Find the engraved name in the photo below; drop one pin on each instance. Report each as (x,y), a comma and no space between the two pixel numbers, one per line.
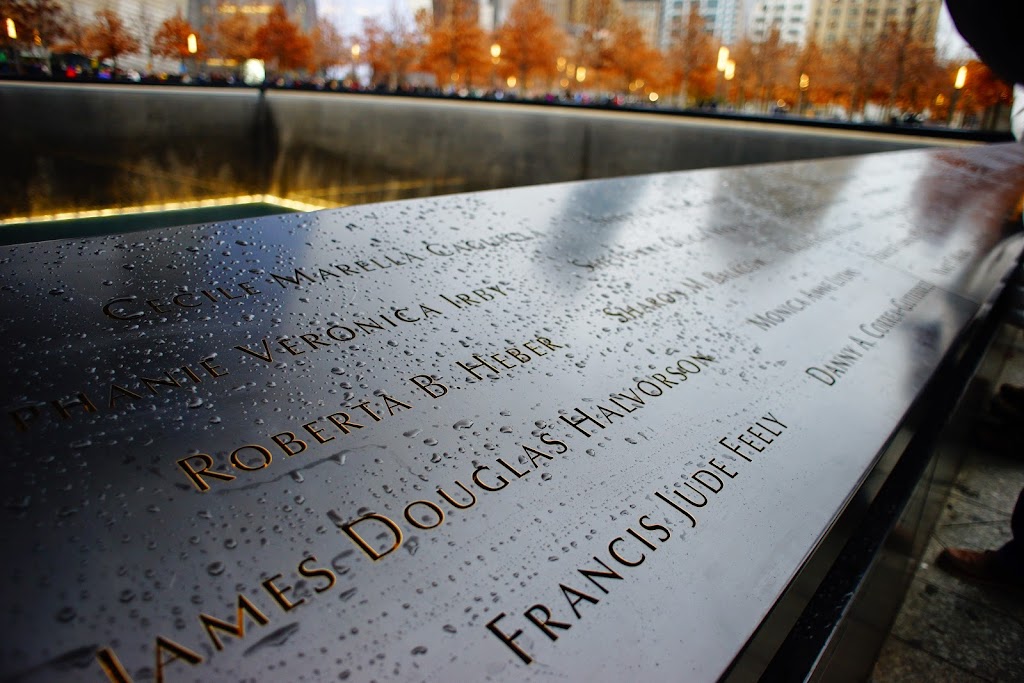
(686,504)
(258,454)
(841,362)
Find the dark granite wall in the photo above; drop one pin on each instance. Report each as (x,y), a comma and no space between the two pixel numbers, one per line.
(72,147)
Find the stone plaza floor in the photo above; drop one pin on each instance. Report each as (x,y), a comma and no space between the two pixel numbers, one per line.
(949,629)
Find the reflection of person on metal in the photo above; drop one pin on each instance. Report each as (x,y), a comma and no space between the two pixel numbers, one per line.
(993,30)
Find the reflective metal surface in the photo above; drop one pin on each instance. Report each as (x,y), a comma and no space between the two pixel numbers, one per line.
(585,431)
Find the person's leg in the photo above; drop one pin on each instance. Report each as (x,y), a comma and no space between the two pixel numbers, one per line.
(1003,567)
(1011,555)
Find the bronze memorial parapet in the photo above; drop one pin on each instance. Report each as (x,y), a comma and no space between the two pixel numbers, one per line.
(586,431)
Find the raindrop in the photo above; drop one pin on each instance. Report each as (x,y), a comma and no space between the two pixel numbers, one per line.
(338,562)
(275,639)
(79,658)
(335,517)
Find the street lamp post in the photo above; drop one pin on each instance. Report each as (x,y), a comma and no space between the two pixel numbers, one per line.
(355,61)
(728,73)
(958,85)
(12,33)
(805,83)
(723,62)
(495,58)
(192,45)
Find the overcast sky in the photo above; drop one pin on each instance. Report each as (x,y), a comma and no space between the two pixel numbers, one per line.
(348,14)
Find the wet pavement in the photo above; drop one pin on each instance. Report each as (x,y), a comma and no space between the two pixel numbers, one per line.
(949,629)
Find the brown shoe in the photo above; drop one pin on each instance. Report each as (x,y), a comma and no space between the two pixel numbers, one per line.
(977,565)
